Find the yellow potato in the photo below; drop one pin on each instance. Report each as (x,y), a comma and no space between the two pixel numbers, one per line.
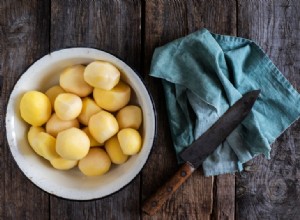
(72,144)
(63,164)
(45,144)
(53,92)
(55,125)
(93,142)
(96,163)
(89,108)
(103,125)
(67,106)
(130,117)
(71,80)
(31,135)
(114,151)
(101,74)
(130,141)
(35,108)
(114,99)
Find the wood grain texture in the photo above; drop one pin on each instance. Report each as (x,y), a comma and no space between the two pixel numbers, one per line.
(224,197)
(270,189)
(113,26)
(132,29)
(155,201)
(217,16)
(24,38)
(164,22)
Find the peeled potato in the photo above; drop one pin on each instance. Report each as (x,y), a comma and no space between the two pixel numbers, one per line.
(95,163)
(35,108)
(101,74)
(71,80)
(45,144)
(93,142)
(103,125)
(55,125)
(53,92)
(63,164)
(114,151)
(114,99)
(89,108)
(72,144)
(130,141)
(130,117)
(67,106)
(63,140)
(31,135)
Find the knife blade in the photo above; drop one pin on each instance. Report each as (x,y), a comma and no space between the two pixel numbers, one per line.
(200,149)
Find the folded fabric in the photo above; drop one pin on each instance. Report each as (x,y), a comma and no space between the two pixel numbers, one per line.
(203,74)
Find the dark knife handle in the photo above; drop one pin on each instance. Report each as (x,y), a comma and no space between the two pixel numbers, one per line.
(154,203)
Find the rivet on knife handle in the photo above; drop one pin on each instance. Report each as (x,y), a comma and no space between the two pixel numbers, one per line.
(154,203)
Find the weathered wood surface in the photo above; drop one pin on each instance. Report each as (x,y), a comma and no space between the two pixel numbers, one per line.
(271,189)
(132,29)
(24,34)
(164,22)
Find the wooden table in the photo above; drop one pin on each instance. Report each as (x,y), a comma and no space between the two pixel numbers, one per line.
(131,29)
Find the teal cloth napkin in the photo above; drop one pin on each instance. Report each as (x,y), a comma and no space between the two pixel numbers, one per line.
(203,74)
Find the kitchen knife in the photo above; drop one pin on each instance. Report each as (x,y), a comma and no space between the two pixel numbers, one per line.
(200,149)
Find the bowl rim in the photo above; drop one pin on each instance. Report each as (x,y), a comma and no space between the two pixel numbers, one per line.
(45,56)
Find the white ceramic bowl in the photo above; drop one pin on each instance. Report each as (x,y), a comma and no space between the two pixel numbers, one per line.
(72,184)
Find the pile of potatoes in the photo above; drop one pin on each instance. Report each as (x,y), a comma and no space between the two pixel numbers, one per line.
(85,121)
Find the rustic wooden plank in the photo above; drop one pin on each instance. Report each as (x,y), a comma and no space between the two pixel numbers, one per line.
(224,197)
(113,26)
(165,21)
(154,202)
(270,189)
(218,17)
(24,38)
